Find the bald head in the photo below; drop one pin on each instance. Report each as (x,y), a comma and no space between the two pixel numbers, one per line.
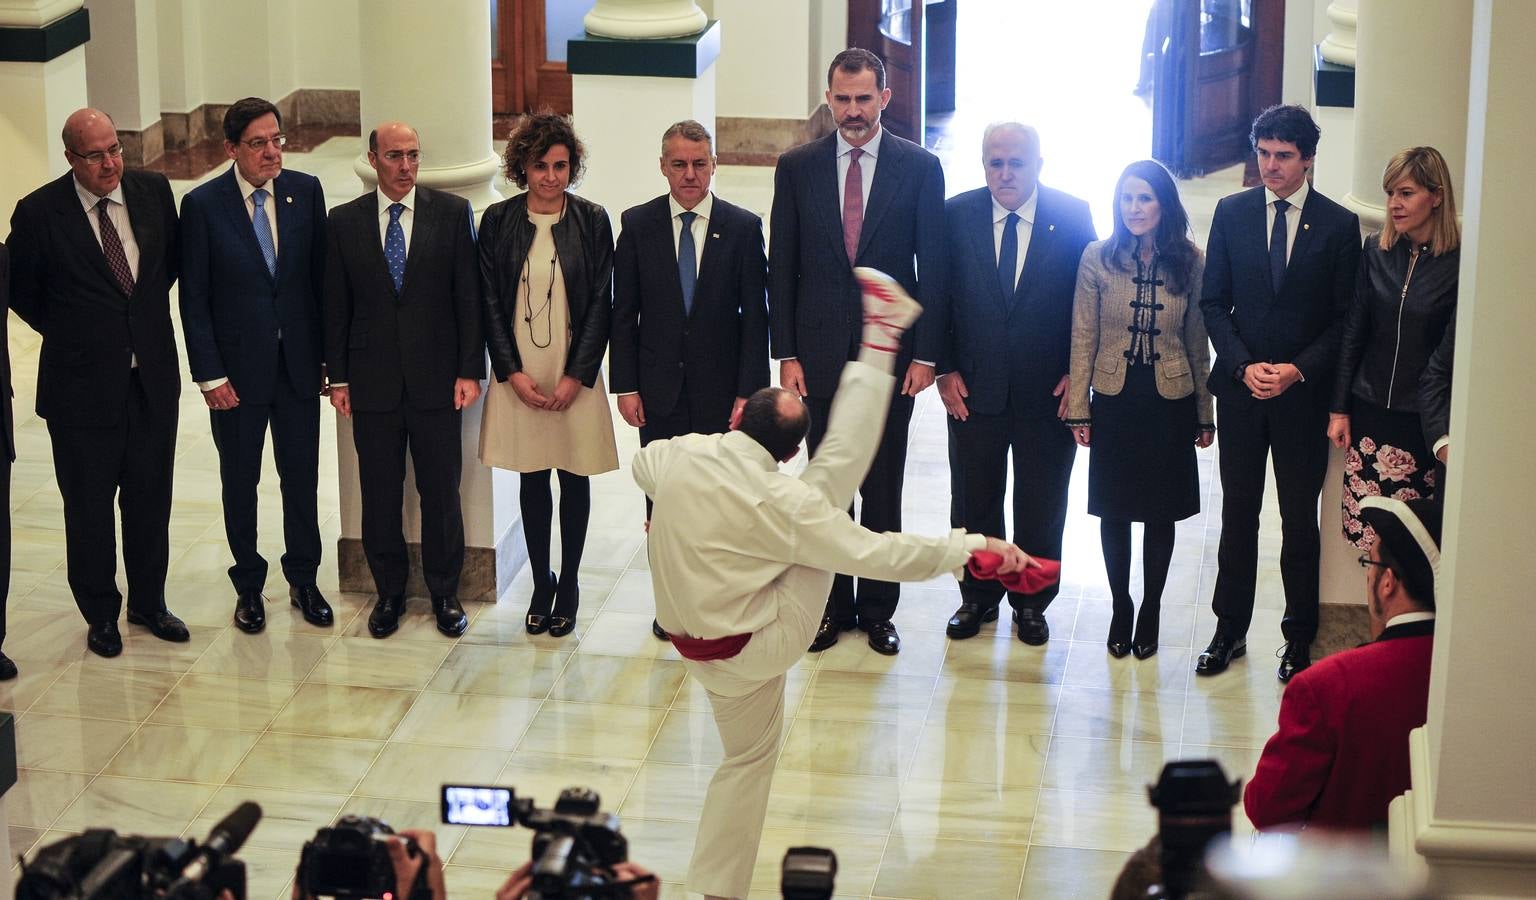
(778,420)
(92,150)
(394,151)
(86,123)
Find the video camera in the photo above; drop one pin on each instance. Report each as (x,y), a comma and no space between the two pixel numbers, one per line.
(104,865)
(350,860)
(575,846)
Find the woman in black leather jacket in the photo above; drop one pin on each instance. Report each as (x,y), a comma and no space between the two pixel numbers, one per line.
(1405,297)
(546,271)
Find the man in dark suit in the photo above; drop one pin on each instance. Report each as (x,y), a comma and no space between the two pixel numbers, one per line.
(1341,752)
(857,197)
(8,429)
(690,322)
(93,257)
(254,258)
(1014,247)
(405,353)
(1279,275)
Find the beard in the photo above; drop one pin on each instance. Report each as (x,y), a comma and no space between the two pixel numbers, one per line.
(855,130)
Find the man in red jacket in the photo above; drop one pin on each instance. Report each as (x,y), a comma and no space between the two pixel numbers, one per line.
(1341,753)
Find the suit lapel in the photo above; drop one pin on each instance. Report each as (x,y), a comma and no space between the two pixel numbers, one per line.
(77,227)
(823,193)
(983,245)
(286,212)
(1303,234)
(1041,235)
(368,209)
(717,237)
(423,225)
(234,207)
(658,235)
(890,168)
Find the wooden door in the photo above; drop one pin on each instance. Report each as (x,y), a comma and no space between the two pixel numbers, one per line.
(523,77)
(893,30)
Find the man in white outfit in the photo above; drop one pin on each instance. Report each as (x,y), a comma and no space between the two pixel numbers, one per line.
(742,557)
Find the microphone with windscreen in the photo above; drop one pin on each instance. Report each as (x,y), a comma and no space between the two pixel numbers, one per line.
(223,842)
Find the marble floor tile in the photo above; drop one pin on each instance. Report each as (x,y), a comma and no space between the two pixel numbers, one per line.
(543,776)
(624,634)
(688,737)
(857,803)
(305,763)
(1070,874)
(380,664)
(467,720)
(922,654)
(181,753)
(1230,721)
(923,866)
(288,818)
(417,625)
(490,849)
(668,845)
(985,757)
(1112,766)
(841,747)
(1093,821)
(21,839)
(38,797)
(858,857)
(624,680)
(967,811)
(1090,665)
(98,693)
(519,671)
(32,681)
(270,654)
(866,697)
(344,710)
(134,806)
(62,744)
(1112,715)
(418,771)
(796,681)
(1176,624)
(664,791)
(268,872)
(632,593)
(596,730)
(1002,658)
(973,704)
(224,701)
(474,881)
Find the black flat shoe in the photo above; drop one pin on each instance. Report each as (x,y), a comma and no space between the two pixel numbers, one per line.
(1294,657)
(560,626)
(451,619)
(562,620)
(1142,651)
(537,621)
(1033,629)
(7,667)
(163,625)
(1219,654)
(103,639)
(826,634)
(1118,649)
(385,618)
(659,632)
(883,638)
(250,612)
(968,619)
(308,600)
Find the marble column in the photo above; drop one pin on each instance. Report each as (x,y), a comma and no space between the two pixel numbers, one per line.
(1471,813)
(435,74)
(1339,46)
(644,19)
(42,81)
(1411,90)
(122,77)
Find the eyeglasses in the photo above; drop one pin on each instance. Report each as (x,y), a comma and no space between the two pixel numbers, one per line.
(1366,562)
(97,158)
(260,144)
(395,156)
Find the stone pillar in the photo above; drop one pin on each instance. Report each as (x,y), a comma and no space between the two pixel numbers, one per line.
(624,94)
(1471,814)
(1410,81)
(122,74)
(1339,46)
(42,81)
(644,19)
(449,104)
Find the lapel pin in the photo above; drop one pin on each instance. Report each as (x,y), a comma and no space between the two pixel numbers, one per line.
(1050,228)
(1306,226)
(288,199)
(714,234)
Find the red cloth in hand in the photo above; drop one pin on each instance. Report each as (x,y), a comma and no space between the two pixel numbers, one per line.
(1028,580)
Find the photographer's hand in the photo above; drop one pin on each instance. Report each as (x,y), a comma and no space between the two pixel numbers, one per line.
(648,890)
(517,884)
(408,866)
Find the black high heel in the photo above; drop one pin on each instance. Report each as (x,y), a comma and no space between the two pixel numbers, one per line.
(538,620)
(1145,643)
(1119,643)
(567,599)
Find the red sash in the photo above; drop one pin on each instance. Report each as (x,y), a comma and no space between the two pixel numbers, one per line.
(707,649)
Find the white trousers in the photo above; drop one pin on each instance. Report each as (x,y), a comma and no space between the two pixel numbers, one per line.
(746,691)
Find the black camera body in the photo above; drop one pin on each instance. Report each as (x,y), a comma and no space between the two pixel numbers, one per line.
(1194,804)
(575,846)
(101,864)
(808,873)
(351,860)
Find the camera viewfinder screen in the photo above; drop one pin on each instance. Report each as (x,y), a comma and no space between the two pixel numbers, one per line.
(476,805)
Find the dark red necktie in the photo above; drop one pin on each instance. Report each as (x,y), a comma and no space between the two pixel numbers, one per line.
(112,246)
(853,204)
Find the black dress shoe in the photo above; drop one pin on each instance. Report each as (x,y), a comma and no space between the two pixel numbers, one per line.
(385,617)
(968,619)
(543,598)
(250,612)
(1219,654)
(661,633)
(1118,649)
(1294,657)
(312,604)
(883,638)
(826,634)
(163,625)
(562,620)
(104,640)
(1142,651)
(451,619)
(1032,627)
(7,667)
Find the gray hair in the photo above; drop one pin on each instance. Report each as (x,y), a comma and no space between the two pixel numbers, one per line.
(1027,130)
(688,130)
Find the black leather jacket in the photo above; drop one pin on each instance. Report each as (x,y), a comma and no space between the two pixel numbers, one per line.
(584,242)
(1400,311)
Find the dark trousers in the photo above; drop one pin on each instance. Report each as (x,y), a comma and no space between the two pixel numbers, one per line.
(1292,429)
(240,434)
(879,511)
(131,461)
(434,441)
(687,416)
(5,536)
(1043,453)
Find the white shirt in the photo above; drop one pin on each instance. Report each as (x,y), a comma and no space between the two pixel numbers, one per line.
(1024,228)
(1292,215)
(117,212)
(269,206)
(1405,618)
(700,227)
(728,524)
(407,216)
(866,166)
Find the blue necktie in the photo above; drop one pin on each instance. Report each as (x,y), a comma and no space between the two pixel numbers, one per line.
(264,230)
(1008,256)
(687,260)
(394,246)
(1277,247)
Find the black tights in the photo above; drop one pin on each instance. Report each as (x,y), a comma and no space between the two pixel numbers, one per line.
(538,508)
(1156,554)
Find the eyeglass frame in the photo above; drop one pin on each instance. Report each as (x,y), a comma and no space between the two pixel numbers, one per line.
(257,145)
(398,156)
(97,158)
(1366,562)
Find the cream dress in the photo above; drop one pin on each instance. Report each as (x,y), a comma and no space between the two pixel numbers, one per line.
(513,436)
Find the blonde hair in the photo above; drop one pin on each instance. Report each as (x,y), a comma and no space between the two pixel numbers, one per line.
(1425,167)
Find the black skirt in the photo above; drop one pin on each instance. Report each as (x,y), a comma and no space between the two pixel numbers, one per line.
(1141,464)
(1387,457)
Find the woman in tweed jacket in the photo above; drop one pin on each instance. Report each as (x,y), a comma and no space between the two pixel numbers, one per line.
(1139,341)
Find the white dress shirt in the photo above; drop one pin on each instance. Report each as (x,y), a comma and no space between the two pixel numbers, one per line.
(1024,228)
(407,216)
(866,166)
(117,212)
(1405,618)
(269,207)
(1292,215)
